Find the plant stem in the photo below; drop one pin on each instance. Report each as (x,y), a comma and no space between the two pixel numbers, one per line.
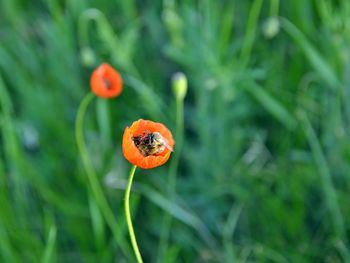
(95,186)
(167,220)
(250,32)
(330,194)
(128,216)
(179,137)
(274,6)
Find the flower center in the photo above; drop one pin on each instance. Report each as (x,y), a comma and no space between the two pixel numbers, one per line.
(149,143)
(107,83)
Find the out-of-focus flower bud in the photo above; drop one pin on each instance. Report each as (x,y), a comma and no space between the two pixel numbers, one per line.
(87,57)
(30,138)
(179,85)
(174,25)
(271,27)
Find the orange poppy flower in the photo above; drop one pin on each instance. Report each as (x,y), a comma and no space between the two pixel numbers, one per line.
(147,144)
(106,82)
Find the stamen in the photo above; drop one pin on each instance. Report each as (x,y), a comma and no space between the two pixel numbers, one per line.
(107,83)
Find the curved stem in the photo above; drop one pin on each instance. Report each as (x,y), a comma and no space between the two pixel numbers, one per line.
(95,186)
(128,216)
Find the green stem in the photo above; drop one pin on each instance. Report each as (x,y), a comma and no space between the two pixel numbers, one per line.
(179,141)
(330,193)
(128,216)
(274,6)
(167,220)
(95,186)
(250,32)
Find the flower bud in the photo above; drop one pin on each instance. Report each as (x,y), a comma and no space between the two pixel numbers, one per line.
(87,57)
(271,27)
(179,85)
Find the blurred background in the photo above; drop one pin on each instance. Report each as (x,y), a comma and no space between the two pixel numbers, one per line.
(263,173)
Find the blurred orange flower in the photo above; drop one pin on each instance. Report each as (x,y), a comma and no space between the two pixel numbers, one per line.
(106,82)
(147,144)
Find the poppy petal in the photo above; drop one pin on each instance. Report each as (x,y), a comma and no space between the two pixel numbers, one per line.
(133,154)
(106,82)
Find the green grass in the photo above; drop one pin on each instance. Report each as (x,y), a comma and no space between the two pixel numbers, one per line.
(264,168)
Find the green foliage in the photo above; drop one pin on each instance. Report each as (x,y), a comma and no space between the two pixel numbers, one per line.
(264,172)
